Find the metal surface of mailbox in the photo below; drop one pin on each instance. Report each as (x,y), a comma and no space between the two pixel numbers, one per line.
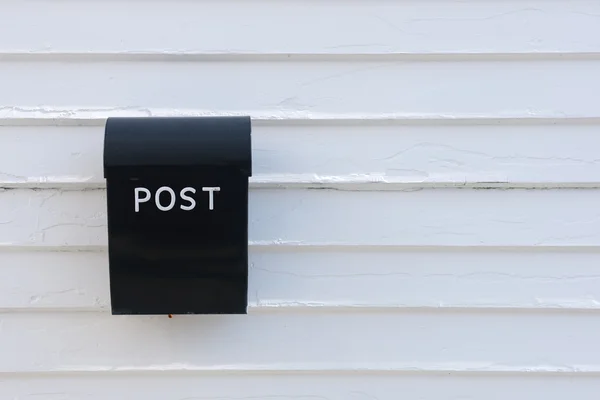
(177,202)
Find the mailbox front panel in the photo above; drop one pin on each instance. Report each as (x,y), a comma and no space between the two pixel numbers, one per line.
(177,245)
(178,234)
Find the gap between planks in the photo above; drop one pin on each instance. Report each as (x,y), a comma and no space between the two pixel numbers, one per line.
(338,183)
(261,308)
(476,369)
(295,247)
(75,116)
(194,56)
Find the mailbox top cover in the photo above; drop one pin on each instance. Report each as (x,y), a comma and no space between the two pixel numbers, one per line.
(178,142)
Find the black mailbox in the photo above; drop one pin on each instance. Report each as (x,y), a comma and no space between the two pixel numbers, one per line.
(177,202)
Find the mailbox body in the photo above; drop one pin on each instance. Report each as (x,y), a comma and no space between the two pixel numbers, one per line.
(177,203)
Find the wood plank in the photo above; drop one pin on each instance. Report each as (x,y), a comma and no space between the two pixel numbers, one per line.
(444,217)
(329,279)
(567,88)
(317,386)
(320,27)
(403,342)
(284,154)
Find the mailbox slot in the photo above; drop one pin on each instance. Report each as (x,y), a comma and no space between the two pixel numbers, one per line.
(177,203)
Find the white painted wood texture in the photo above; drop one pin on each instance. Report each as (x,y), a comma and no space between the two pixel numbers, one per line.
(318,386)
(296,154)
(475,341)
(329,279)
(429,217)
(309,27)
(406,274)
(514,88)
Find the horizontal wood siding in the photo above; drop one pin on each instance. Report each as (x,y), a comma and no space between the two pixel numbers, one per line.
(337,155)
(333,386)
(333,278)
(424,89)
(429,217)
(299,342)
(294,26)
(423,210)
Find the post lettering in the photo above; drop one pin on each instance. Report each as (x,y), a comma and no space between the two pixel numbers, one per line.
(143,195)
(157,200)
(210,191)
(138,199)
(187,198)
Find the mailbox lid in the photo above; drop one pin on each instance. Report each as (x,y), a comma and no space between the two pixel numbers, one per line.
(222,142)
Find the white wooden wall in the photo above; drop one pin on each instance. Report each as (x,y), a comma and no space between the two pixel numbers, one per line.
(452,253)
